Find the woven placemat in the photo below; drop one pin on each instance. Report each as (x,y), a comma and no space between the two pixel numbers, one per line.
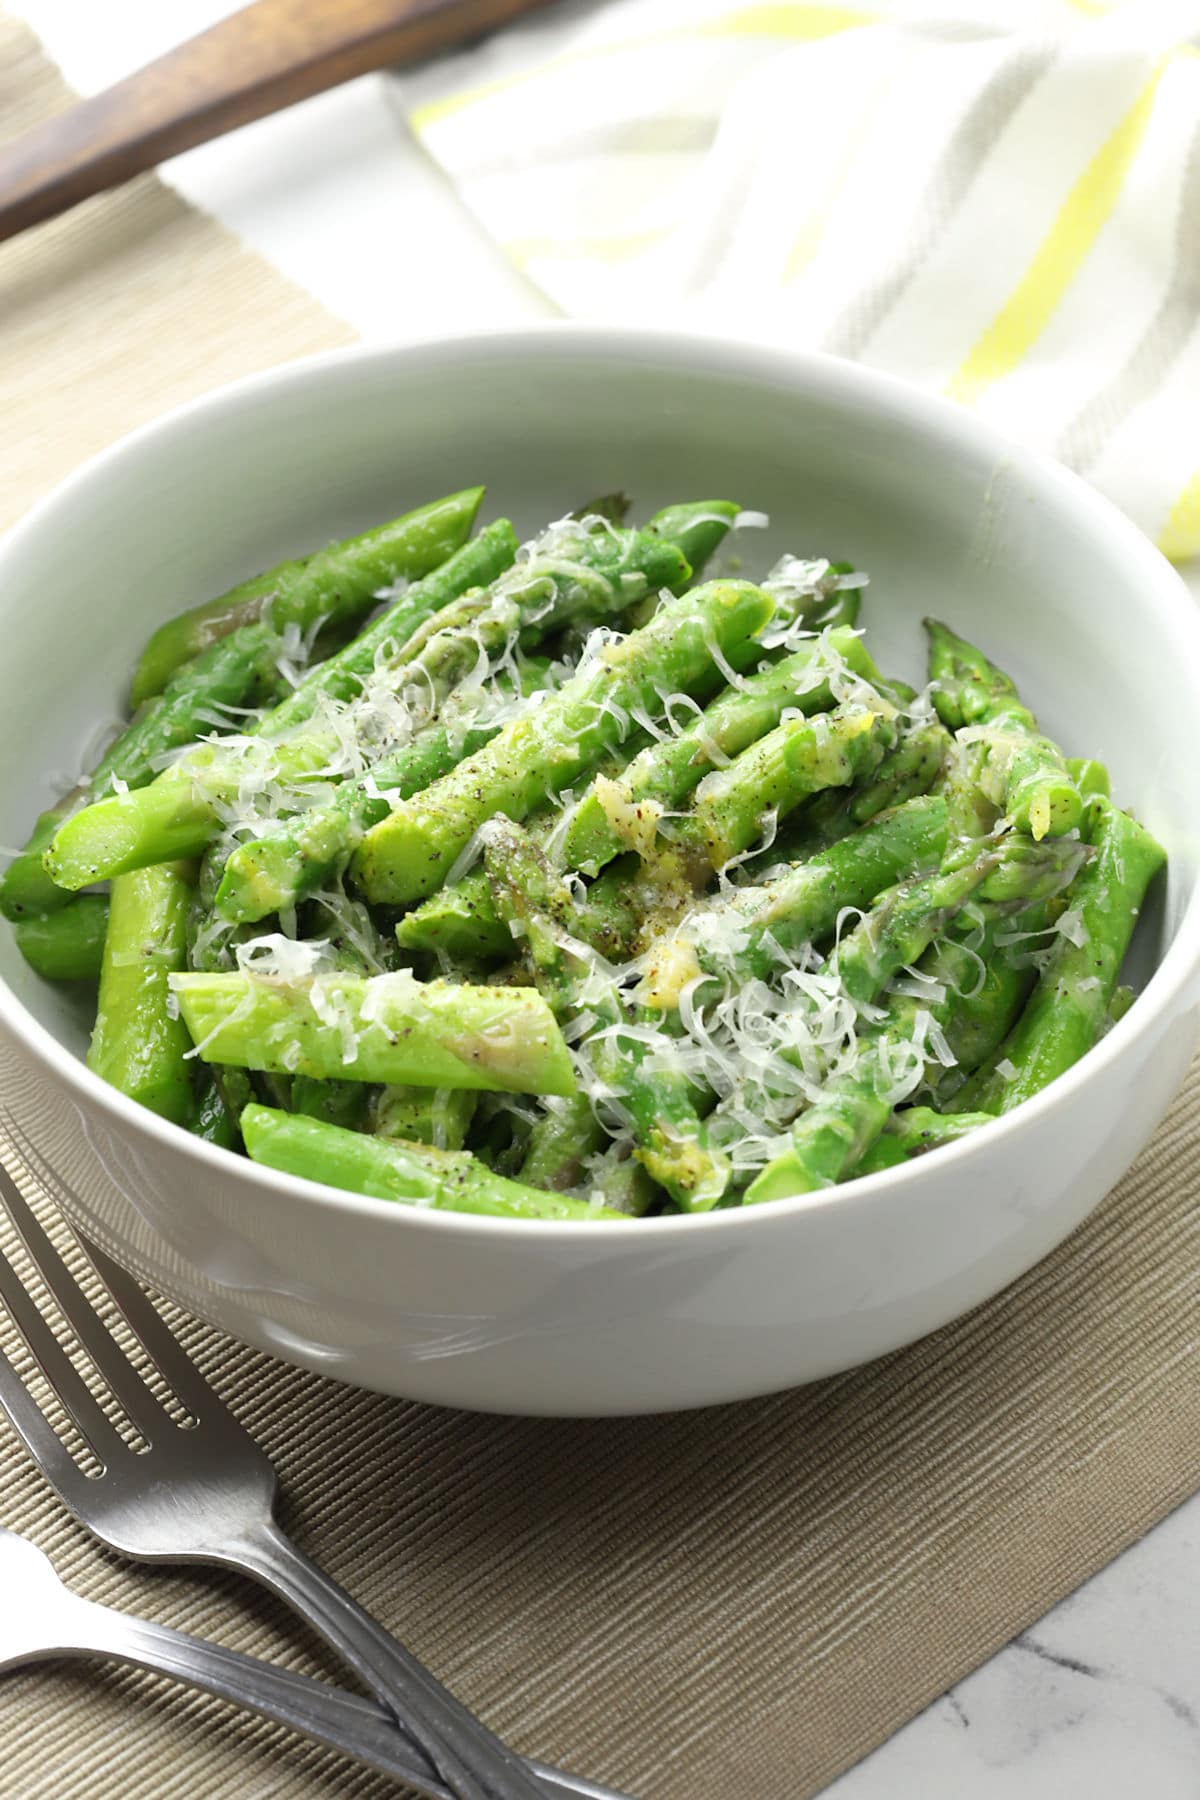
(739,1602)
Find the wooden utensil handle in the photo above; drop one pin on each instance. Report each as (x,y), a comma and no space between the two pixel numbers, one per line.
(262,59)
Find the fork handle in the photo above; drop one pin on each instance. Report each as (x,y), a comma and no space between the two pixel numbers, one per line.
(327,1715)
(469,1759)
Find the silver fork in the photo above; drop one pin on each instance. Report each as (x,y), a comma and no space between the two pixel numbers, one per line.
(207,1494)
(43,1618)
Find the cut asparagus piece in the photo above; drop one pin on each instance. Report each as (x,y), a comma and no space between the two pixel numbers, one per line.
(1068,1009)
(1010,873)
(799,758)
(137,1045)
(697,527)
(440,1117)
(540,754)
(67,945)
(476,565)
(902,774)
(561,1141)
(743,935)
(913,1131)
(386,1170)
(835,1133)
(338,582)
(672,1142)
(386,1028)
(668,770)
(1020,770)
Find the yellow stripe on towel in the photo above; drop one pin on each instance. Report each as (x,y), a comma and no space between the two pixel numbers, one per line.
(1081,218)
(791,19)
(1180,536)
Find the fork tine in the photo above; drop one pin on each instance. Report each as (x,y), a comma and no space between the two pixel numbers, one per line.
(139,1401)
(31,1424)
(55,1364)
(155,1337)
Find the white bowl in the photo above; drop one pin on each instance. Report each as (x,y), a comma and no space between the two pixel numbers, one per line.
(575,1318)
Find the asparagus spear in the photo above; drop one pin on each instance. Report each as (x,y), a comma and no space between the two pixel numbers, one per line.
(743,935)
(1009,874)
(301,852)
(903,773)
(1089,776)
(340,581)
(1123,998)
(440,1117)
(911,1132)
(336,1102)
(386,1028)
(462,923)
(478,563)
(1068,1009)
(672,1142)
(212,1119)
(836,1132)
(67,945)
(798,758)
(833,1135)
(541,753)
(176,816)
(137,1046)
(668,770)
(386,1170)
(1022,771)
(697,527)
(562,1139)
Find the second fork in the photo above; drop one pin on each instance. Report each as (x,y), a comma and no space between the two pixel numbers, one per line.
(207,1494)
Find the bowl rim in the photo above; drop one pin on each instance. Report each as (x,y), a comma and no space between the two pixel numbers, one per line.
(836,379)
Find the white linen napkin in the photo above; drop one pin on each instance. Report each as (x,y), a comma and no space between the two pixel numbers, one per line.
(998,199)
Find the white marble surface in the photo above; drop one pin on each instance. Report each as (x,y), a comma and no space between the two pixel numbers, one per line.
(1102,1698)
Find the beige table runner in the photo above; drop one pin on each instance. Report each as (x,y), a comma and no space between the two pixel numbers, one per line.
(730,1605)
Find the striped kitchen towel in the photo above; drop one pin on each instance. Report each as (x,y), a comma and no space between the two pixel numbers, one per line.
(998,199)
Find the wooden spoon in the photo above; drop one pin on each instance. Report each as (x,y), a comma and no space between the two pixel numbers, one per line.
(262,59)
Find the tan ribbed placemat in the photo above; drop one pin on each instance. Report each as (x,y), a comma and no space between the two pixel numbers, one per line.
(737,1603)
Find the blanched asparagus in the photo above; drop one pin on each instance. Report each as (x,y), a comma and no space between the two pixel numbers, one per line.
(461,922)
(1022,771)
(440,1117)
(541,753)
(137,1046)
(339,581)
(177,815)
(697,527)
(1068,1009)
(560,1143)
(669,769)
(476,565)
(911,1132)
(742,936)
(798,758)
(386,1028)
(1007,875)
(387,1170)
(67,945)
(672,1142)
(903,773)
(212,1119)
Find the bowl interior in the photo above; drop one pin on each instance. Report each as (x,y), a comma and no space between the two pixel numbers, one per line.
(1053,585)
